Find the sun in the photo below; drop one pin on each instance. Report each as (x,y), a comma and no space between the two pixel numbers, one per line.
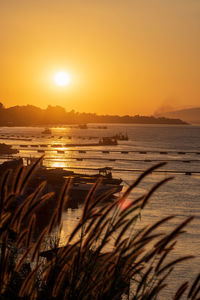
(62,78)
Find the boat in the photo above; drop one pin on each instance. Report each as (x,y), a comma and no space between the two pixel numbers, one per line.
(81,183)
(102,127)
(79,190)
(55,179)
(57,145)
(41,151)
(107,141)
(46,131)
(83,126)
(121,137)
(104,173)
(7,149)
(10,165)
(60,151)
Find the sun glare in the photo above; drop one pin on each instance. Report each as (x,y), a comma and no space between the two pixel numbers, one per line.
(62,78)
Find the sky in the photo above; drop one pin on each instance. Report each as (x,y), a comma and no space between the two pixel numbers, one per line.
(122,56)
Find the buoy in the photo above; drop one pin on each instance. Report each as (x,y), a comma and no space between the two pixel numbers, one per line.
(188,173)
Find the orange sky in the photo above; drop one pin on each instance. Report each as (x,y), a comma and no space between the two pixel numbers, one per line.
(124,56)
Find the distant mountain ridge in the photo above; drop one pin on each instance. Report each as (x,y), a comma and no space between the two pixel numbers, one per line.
(190,115)
(30,115)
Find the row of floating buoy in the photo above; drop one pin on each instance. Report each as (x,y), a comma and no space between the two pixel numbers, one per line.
(120,170)
(103,151)
(126,170)
(136,170)
(13,135)
(118,159)
(34,146)
(49,137)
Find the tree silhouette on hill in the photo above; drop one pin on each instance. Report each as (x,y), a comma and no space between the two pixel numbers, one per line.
(30,115)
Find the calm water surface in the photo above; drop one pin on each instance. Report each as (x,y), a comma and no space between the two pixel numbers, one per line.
(180,197)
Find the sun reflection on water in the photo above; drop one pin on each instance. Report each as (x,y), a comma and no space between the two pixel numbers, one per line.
(58,164)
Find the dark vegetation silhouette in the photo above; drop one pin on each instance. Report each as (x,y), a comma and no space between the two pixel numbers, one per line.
(138,265)
(30,115)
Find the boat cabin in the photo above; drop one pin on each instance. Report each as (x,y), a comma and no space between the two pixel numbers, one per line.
(105,172)
(107,141)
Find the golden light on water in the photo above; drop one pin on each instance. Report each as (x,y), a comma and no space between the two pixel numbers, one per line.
(59,164)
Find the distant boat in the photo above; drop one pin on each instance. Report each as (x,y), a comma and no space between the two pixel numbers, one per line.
(60,151)
(40,151)
(46,131)
(102,127)
(121,137)
(104,141)
(83,126)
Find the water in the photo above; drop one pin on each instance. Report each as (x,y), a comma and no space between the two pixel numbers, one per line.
(180,197)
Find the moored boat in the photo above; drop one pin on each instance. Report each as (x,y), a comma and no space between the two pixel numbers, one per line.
(107,141)
(55,179)
(79,190)
(121,137)
(81,183)
(7,149)
(83,126)
(46,131)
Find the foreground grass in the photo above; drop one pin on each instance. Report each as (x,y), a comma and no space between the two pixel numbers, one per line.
(138,265)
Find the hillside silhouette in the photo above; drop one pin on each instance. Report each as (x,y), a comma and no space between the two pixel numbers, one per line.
(191,115)
(30,115)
